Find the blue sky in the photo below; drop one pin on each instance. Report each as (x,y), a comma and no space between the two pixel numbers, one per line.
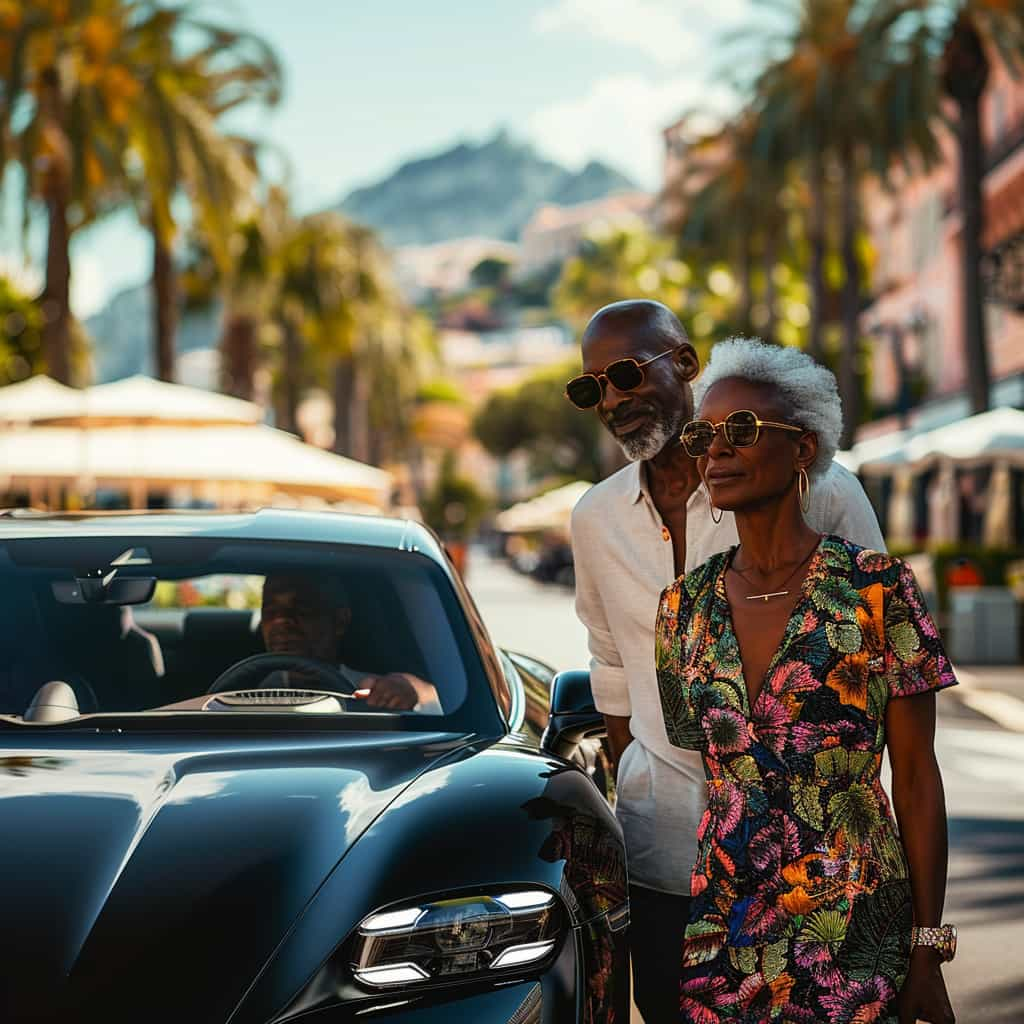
(371,84)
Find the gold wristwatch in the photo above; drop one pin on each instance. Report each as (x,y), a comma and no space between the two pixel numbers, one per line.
(942,940)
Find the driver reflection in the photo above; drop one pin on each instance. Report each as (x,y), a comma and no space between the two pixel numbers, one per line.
(308,617)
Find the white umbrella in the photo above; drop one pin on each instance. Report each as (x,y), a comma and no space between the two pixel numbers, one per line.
(977,440)
(237,464)
(876,454)
(548,511)
(145,400)
(38,398)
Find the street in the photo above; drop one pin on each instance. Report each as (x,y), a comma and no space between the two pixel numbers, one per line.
(980,746)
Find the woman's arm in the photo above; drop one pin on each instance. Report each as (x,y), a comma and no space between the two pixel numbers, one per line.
(920,806)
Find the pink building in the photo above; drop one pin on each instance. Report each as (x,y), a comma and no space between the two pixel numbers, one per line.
(916,233)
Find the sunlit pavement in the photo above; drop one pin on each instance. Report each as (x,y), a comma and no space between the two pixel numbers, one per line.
(981,749)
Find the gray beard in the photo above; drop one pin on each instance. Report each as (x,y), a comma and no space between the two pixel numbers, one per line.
(642,445)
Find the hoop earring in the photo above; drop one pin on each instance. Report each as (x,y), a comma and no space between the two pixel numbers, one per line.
(803,486)
(711,508)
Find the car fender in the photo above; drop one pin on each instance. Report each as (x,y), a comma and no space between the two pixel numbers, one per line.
(491,815)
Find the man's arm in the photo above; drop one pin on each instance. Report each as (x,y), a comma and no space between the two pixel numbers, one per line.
(607,675)
(840,506)
(619,736)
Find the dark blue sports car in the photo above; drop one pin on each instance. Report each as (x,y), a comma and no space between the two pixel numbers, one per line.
(269,767)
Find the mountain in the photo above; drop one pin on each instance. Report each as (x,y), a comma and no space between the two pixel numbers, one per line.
(488,190)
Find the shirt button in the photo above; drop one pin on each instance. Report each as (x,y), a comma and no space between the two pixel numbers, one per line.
(665,535)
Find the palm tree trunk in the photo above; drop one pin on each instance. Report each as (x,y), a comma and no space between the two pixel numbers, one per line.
(238,355)
(771,254)
(56,297)
(55,187)
(849,362)
(746,284)
(343,391)
(816,233)
(291,374)
(359,414)
(965,70)
(165,307)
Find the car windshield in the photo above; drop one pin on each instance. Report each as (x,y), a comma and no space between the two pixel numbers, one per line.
(199,625)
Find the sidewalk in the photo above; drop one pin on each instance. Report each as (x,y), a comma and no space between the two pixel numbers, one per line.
(996,691)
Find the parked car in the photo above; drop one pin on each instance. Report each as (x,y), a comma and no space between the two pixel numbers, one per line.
(269,767)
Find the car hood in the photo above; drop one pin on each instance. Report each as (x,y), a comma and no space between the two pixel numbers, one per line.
(163,878)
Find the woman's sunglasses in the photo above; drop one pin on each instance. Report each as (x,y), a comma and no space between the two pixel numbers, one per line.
(587,390)
(742,429)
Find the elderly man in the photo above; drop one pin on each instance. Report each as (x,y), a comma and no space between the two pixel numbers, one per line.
(308,616)
(633,534)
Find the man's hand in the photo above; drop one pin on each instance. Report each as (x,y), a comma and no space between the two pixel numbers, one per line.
(395,691)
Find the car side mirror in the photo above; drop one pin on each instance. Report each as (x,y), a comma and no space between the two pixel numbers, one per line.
(573,716)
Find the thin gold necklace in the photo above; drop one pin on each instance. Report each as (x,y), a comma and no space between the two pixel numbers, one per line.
(776,593)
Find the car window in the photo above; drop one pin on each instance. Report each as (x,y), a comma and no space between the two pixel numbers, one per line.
(272,626)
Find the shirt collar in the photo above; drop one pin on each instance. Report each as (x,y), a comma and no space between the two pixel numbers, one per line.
(634,479)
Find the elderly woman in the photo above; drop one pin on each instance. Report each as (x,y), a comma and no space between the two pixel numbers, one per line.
(791,661)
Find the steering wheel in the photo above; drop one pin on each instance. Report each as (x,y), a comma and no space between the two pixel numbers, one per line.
(238,676)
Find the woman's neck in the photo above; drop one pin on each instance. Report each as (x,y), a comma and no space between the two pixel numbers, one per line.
(772,535)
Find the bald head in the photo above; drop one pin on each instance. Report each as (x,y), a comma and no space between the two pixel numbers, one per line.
(645,418)
(649,324)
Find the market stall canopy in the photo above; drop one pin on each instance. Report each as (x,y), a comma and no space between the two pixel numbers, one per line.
(549,511)
(251,462)
(38,398)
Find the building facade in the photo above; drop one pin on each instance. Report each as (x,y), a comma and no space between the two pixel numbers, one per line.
(916,315)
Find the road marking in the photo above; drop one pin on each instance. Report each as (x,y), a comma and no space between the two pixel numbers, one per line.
(1003,708)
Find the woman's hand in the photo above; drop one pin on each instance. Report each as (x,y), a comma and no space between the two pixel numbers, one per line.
(924,996)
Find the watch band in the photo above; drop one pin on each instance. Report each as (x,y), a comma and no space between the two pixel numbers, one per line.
(942,939)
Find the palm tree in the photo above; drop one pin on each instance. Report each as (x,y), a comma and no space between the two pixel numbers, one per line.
(847,99)
(116,110)
(977,26)
(731,202)
(174,140)
(58,68)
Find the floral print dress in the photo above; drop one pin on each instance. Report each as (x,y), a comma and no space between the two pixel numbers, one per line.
(802,907)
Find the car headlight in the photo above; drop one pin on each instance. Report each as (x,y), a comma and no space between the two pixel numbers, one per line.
(456,939)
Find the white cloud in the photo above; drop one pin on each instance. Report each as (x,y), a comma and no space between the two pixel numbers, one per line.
(620,121)
(652,26)
(671,32)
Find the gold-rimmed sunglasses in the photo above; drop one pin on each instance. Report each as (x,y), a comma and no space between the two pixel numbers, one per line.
(741,429)
(587,390)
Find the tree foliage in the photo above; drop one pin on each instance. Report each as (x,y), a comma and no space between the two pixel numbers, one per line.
(21,335)
(536,417)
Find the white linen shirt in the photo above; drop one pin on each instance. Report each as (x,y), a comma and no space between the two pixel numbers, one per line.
(624,559)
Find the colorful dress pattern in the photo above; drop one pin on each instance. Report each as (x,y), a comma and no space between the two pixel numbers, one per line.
(802,910)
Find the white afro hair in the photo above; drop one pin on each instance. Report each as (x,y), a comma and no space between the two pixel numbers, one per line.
(807,390)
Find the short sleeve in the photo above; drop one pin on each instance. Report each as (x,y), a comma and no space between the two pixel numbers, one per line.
(915,660)
(673,617)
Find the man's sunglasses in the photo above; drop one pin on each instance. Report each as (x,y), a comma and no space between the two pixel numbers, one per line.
(741,428)
(587,390)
